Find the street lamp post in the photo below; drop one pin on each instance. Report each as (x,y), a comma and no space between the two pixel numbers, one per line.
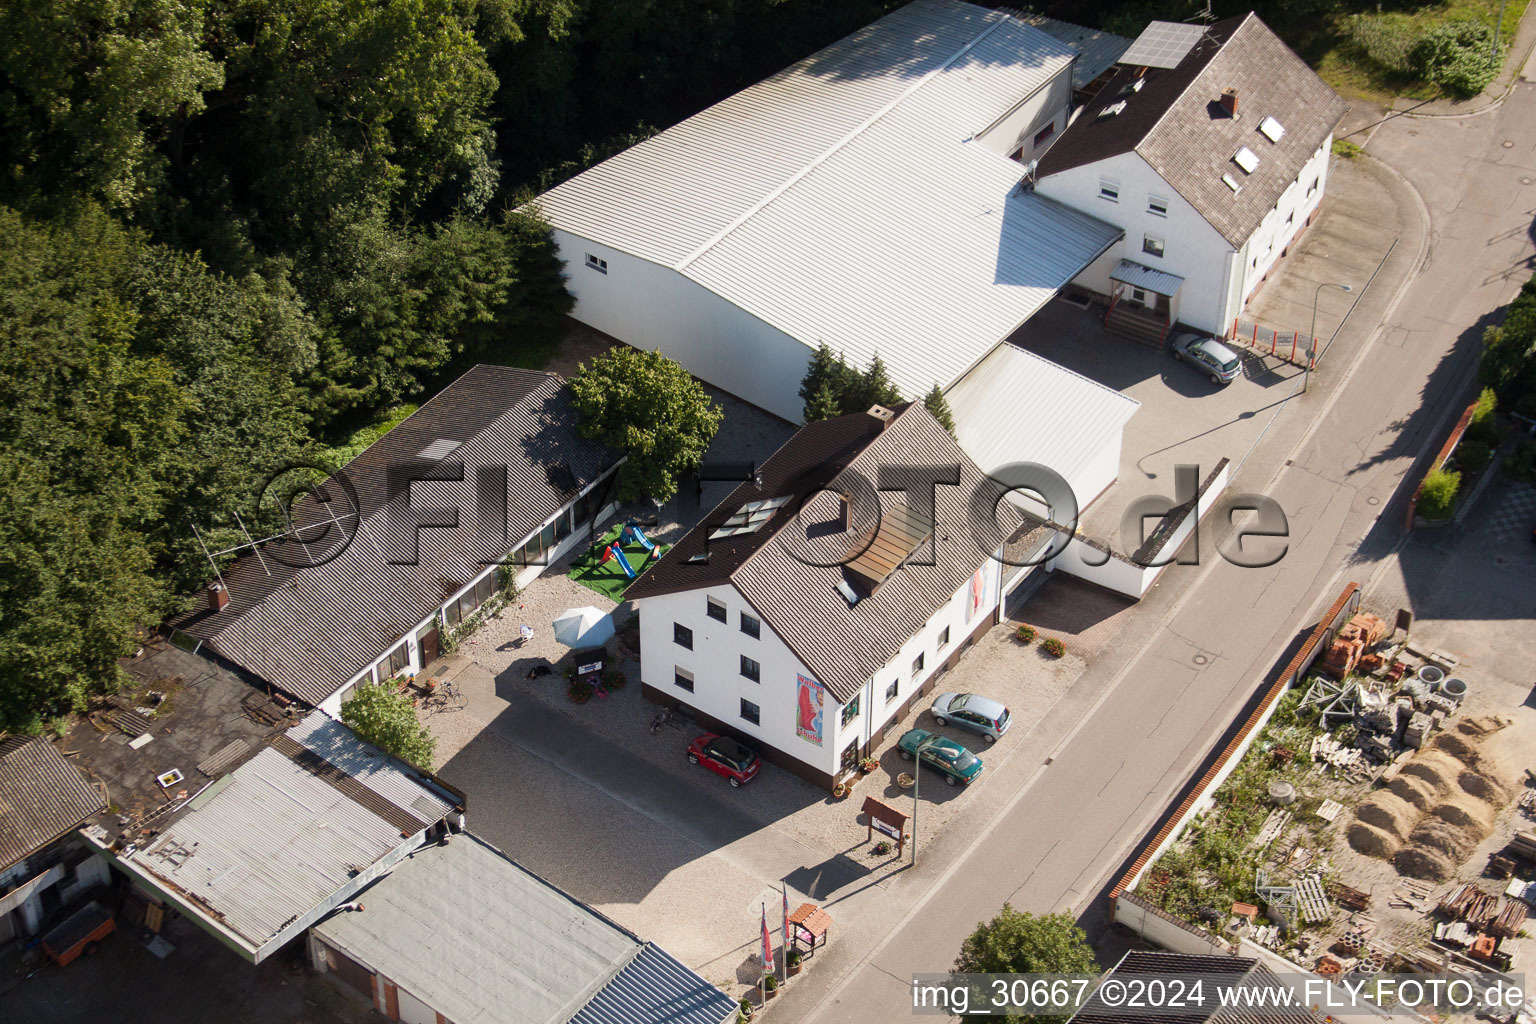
(917,786)
(1312,334)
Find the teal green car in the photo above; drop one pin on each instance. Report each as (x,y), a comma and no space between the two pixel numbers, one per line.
(959,766)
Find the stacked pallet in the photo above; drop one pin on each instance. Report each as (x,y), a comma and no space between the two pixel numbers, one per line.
(1470,904)
(1510,920)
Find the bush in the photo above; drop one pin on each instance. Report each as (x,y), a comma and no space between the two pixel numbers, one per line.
(1437,497)
(1458,56)
(1522,462)
(381,714)
(580,691)
(1026,634)
(1054,647)
(1472,456)
(1483,426)
(1387,39)
(1346,149)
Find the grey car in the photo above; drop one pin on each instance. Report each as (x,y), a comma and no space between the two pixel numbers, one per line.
(1207,355)
(974,712)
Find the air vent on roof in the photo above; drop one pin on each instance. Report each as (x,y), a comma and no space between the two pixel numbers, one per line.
(1273,130)
(1112,109)
(440,449)
(1247,159)
(1231,183)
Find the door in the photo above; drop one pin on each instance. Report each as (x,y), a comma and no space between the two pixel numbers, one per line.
(350,971)
(429,646)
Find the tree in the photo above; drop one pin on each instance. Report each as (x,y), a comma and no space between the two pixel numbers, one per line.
(874,387)
(649,408)
(1458,55)
(385,717)
(1022,943)
(823,376)
(937,404)
(822,405)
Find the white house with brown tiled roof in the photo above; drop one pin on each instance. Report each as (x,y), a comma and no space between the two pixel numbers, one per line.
(796,618)
(1209,147)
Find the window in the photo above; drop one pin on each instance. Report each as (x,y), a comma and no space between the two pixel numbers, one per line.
(683,678)
(1312,188)
(1152,245)
(1157,206)
(1290,218)
(1247,159)
(1109,190)
(891,691)
(1273,130)
(682,635)
(751,625)
(944,638)
(715,609)
(399,659)
(751,669)
(1139,295)
(750,712)
(917,664)
(850,711)
(1045,133)
(1231,183)
(593,263)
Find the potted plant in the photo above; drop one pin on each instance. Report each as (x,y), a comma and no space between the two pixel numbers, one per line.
(1054,647)
(881,848)
(792,962)
(613,679)
(744,1010)
(771,986)
(840,789)
(868,765)
(1025,634)
(580,691)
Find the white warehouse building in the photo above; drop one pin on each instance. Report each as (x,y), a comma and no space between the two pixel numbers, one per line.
(863,197)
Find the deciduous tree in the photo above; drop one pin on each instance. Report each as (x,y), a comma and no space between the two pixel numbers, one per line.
(385,717)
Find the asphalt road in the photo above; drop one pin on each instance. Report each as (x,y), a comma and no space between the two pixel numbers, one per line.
(1142,718)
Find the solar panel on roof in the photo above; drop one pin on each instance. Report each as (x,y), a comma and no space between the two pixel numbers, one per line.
(440,449)
(1162,44)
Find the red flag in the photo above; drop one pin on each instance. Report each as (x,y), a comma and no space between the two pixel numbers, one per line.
(767,943)
(784,930)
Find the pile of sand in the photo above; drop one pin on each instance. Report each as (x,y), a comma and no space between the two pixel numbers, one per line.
(1442,804)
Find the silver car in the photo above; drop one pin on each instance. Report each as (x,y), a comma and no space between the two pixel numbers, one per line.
(974,712)
(1207,355)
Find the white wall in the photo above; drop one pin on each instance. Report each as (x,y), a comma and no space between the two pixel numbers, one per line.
(1015,130)
(413,1010)
(715,661)
(1192,248)
(1282,224)
(653,307)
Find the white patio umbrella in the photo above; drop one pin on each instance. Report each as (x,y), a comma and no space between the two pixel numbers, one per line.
(581,628)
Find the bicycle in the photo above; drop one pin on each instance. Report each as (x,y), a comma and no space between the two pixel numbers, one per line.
(445,698)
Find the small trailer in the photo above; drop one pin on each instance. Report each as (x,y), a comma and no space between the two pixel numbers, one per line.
(79,934)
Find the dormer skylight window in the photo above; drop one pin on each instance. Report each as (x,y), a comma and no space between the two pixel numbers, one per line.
(1247,159)
(1112,109)
(1231,183)
(1273,130)
(750,517)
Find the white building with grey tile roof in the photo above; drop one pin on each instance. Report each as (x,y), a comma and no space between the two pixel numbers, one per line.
(863,197)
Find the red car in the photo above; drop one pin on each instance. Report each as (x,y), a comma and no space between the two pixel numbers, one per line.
(724,756)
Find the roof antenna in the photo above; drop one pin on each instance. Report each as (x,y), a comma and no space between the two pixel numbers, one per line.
(1204,15)
(1027,182)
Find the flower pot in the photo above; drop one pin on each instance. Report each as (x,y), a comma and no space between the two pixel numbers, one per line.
(794,968)
(905,780)
(773,993)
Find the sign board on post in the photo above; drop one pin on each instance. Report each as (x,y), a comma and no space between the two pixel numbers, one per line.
(887,819)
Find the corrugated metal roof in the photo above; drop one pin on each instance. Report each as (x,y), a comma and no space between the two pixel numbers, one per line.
(369,766)
(844,200)
(310,630)
(1139,276)
(42,796)
(276,840)
(656,988)
(1019,407)
(479,938)
(1097,50)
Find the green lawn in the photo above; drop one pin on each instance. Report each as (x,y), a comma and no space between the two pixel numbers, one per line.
(606,577)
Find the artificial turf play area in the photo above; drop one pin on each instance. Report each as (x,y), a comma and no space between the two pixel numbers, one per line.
(611,564)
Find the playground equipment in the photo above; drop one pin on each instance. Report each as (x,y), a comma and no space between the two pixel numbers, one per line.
(632,532)
(616,553)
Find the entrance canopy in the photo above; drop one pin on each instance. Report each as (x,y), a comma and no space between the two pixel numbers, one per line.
(1147,279)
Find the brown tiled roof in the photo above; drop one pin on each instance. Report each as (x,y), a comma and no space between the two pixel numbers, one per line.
(1177,125)
(801,602)
(42,797)
(309,630)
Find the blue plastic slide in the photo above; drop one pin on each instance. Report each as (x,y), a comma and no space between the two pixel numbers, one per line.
(618,556)
(634,533)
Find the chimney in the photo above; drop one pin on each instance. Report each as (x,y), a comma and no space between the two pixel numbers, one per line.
(843,503)
(882,416)
(1229,101)
(218,597)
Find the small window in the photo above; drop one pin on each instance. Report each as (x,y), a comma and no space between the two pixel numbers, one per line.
(1139,295)
(850,711)
(593,263)
(917,664)
(751,669)
(751,625)
(944,638)
(1157,206)
(750,712)
(682,635)
(1109,190)
(1247,159)
(683,678)
(1231,183)
(1290,218)
(1312,188)
(891,691)
(1151,245)
(1273,130)
(716,610)
(1045,133)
